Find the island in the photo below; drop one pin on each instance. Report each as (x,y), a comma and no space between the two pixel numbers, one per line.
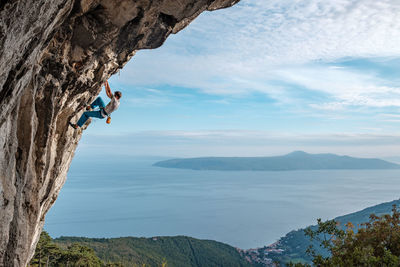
(297,160)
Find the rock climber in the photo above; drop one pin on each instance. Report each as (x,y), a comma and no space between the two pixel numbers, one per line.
(104,111)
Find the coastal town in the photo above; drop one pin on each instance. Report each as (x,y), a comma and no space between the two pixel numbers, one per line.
(265,256)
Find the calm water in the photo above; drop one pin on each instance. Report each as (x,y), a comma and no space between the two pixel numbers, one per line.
(245,209)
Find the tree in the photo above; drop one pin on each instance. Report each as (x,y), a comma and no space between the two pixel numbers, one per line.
(78,255)
(114,264)
(375,243)
(46,253)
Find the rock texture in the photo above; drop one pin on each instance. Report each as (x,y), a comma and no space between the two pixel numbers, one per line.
(54,56)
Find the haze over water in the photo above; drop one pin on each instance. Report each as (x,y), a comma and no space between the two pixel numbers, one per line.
(246,209)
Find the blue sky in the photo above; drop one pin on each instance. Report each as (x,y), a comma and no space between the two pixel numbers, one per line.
(264,78)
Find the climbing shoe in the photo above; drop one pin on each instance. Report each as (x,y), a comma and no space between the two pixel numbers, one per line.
(88,108)
(73,125)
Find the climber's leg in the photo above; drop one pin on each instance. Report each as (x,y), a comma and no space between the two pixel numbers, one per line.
(86,115)
(98,103)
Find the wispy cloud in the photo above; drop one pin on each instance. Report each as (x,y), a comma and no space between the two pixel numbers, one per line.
(307,30)
(273,47)
(345,86)
(294,66)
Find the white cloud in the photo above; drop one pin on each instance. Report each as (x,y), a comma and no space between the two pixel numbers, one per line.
(346,87)
(304,30)
(297,31)
(258,46)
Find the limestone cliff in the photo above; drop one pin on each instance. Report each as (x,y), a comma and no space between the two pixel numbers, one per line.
(54,56)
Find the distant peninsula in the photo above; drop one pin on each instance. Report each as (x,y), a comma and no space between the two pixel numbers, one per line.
(297,160)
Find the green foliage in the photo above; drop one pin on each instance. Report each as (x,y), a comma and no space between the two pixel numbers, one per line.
(48,253)
(375,243)
(79,255)
(114,264)
(161,251)
(295,243)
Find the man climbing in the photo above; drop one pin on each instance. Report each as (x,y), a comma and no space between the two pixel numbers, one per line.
(104,111)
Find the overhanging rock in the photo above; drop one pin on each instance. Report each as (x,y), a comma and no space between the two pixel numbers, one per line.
(54,56)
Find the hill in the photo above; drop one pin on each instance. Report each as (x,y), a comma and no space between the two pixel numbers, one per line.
(293,246)
(297,160)
(175,251)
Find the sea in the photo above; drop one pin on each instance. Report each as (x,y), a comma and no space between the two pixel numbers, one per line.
(127,196)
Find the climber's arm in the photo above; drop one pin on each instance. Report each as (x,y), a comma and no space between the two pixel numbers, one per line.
(108,90)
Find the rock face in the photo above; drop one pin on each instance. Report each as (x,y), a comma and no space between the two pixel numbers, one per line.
(54,56)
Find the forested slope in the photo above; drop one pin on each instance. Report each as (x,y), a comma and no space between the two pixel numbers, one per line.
(174,251)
